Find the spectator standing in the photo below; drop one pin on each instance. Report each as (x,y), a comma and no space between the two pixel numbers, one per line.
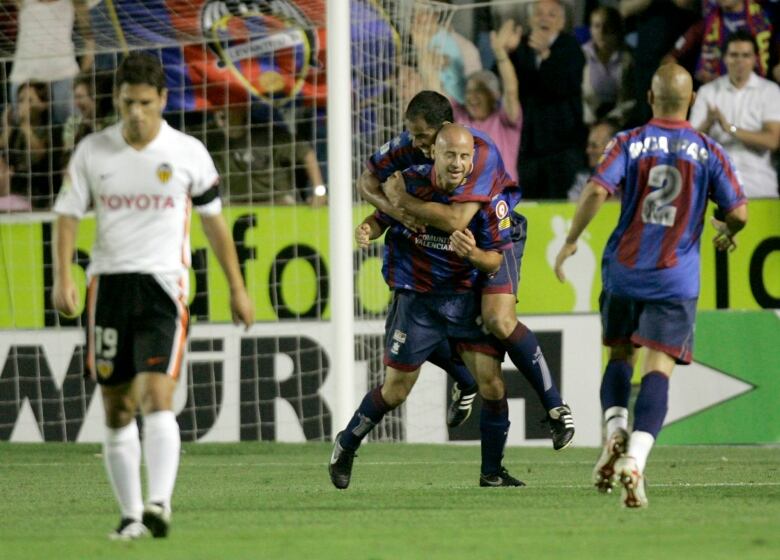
(598,137)
(741,110)
(45,51)
(658,24)
(33,159)
(608,80)
(92,98)
(444,56)
(705,41)
(486,109)
(549,65)
(259,161)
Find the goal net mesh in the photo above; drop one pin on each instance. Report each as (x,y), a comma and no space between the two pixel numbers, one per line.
(249,80)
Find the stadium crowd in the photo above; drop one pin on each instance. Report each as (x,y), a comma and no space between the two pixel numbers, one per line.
(539,77)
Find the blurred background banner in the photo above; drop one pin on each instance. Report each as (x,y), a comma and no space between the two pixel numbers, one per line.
(222,52)
(288,273)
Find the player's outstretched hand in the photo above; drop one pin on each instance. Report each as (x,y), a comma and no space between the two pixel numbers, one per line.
(394,188)
(363,235)
(463,242)
(566,251)
(65,297)
(723,240)
(241,308)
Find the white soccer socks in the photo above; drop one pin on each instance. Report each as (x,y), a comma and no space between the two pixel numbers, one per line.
(639,446)
(615,417)
(122,456)
(161,453)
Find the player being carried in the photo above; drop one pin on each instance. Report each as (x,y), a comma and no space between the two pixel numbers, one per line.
(426,113)
(432,275)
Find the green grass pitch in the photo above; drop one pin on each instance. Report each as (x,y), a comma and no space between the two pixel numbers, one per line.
(265,500)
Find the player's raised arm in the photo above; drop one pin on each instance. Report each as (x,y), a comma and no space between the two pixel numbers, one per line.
(64,294)
(216,231)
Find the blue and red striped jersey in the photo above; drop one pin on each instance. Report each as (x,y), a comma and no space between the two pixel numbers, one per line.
(666,170)
(425,262)
(488,178)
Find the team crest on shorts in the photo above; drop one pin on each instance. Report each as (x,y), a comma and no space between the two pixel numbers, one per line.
(104,368)
(164,172)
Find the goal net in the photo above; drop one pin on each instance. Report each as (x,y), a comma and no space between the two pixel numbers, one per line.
(248,78)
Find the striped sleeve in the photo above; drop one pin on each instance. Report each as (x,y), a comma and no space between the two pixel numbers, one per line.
(396,155)
(611,170)
(725,189)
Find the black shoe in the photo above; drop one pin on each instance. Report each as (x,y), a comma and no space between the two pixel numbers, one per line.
(502,478)
(561,424)
(340,467)
(157,519)
(460,407)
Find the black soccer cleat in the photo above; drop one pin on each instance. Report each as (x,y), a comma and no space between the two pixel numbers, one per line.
(561,422)
(502,478)
(460,407)
(157,519)
(340,467)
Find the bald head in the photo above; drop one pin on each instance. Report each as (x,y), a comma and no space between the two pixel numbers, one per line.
(453,154)
(671,91)
(452,133)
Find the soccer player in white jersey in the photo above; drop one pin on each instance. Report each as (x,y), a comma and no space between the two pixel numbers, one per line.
(142,177)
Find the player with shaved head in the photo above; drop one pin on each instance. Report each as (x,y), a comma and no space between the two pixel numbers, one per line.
(666,171)
(432,274)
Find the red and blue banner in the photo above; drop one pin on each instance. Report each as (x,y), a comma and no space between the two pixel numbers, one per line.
(218,52)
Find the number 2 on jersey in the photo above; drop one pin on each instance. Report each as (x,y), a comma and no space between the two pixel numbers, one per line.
(655,208)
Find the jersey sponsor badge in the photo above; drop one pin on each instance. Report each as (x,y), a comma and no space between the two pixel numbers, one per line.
(164,172)
(400,336)
(504,223)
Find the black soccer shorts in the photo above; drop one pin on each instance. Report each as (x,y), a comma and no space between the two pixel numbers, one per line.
(133,326)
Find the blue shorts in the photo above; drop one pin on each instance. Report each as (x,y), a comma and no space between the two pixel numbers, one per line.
(417,323)
(666,326)
(506,280)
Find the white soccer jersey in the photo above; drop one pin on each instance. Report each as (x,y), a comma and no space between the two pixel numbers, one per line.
(142,200)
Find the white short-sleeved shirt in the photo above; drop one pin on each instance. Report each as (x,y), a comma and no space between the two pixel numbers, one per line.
(748,108)
(142,201)
(44,46)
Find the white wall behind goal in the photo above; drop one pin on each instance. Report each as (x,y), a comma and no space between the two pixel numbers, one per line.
(274,383)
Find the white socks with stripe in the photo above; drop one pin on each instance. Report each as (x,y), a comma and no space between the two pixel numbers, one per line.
(122,456)
(615,417)
(161,452)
